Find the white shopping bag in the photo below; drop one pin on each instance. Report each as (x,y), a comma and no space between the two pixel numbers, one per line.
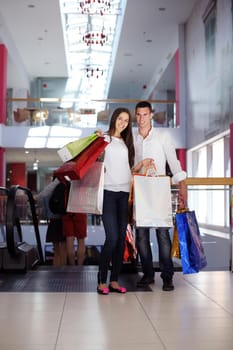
(152,200)
(86,195)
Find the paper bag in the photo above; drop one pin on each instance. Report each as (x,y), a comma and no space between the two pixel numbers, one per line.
(175,250)
(78,167)
(72,149)
(86,195)
(152,200)
(192,253)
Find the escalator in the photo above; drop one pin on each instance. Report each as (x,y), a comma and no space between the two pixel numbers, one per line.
(15,253)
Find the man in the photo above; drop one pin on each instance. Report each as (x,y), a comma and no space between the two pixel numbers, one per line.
(150,144)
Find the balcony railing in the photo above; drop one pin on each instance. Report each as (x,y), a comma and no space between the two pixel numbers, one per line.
(47,111)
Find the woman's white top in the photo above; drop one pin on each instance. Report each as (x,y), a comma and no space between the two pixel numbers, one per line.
(117,175)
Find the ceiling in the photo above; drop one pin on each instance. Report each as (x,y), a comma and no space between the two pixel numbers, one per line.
(147,42)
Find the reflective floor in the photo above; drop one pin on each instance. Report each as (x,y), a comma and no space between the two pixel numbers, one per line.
(197,315)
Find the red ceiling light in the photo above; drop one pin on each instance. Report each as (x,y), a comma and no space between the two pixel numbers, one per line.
(95,7)
(95,38)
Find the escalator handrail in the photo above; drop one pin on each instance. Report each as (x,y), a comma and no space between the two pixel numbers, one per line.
(4,189)
(10,220)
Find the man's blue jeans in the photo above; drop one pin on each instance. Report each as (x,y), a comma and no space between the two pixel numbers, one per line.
(145,253)
(115,220)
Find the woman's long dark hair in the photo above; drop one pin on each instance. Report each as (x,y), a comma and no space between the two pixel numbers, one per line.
(126,134)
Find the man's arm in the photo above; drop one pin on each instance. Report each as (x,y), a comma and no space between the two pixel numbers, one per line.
(182,196)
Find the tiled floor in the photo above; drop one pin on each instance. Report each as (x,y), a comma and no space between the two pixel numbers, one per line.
(197,315)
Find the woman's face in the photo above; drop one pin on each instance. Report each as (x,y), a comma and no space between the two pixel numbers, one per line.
(122,122)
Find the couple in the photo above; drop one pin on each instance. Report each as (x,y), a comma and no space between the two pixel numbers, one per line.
(127,154)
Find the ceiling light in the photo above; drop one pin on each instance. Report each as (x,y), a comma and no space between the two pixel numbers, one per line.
(94,72)
(90,28)
(94,37)
(95,7)
(35,166)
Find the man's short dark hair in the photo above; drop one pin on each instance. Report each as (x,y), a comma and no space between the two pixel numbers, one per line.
(144,104)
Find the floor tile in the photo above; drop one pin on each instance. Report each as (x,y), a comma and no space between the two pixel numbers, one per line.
(196,315)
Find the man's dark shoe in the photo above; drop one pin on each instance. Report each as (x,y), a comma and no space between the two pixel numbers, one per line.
(168,285)
(145,280)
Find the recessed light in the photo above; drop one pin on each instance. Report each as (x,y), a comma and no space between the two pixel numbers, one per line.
(149,41)
(31,6)
(162,8)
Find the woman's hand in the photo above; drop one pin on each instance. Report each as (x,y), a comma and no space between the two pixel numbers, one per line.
(99,132)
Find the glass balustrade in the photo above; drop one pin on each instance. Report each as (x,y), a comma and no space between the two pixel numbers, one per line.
(41,112)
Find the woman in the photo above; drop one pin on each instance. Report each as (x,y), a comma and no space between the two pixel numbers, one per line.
(118,161)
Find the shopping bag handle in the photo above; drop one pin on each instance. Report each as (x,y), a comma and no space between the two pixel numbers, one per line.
(150,170)
(182,210)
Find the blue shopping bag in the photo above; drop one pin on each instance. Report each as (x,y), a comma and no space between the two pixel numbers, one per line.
(192,253)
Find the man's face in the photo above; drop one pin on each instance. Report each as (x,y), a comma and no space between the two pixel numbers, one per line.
(143,116)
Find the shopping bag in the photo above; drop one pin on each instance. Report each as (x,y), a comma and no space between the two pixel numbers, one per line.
(130,204)
(78,167)
(192,253)
(130,252)
(86,195)
(72,149)
(175,251)
(152,201)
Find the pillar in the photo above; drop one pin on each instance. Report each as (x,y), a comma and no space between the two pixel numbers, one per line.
(231,148)
(16,174)
(181,155)
(177,87)
(3,93)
